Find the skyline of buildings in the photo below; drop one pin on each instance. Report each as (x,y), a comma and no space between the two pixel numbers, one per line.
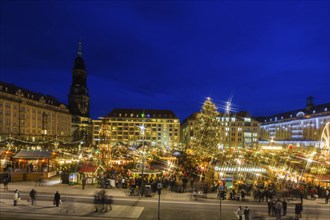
(37,117)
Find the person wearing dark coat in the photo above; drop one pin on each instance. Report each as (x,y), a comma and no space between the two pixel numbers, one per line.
(57,199)
(33,196)
(246,213)
(269,206)
(297,211)
(285,206)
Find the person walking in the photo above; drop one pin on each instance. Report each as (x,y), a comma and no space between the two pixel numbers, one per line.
(269,207)
(33,196)
(84,181)
(5,184)
(278,209)
(246,213)
(240,212)
(16,197)
(285,206)
(327,196)
(301,197)
(57,199)
(297,211)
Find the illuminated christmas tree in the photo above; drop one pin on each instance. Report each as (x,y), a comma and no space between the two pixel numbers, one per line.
(207,137)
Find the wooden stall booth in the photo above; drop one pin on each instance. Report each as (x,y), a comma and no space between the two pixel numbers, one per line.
(34,165)
(90,172)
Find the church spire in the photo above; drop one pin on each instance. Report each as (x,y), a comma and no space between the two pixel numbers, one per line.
(79,53)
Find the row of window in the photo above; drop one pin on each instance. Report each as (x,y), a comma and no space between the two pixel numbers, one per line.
(240,140)
(146,125)
(299,115)
(144,121)
(126,137)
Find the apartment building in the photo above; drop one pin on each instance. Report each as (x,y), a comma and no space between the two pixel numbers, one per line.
(31,116)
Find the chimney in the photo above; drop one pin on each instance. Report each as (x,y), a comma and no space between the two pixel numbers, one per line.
(309,103)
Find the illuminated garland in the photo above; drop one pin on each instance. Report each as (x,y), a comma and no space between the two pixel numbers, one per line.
(53,141)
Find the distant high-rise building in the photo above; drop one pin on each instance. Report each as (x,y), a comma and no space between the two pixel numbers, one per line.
(300,128)
(162,127)
(79,101)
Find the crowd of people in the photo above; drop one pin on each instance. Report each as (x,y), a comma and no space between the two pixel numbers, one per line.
(177,181)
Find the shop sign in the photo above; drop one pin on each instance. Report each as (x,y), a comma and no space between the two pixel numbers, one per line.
(240,169)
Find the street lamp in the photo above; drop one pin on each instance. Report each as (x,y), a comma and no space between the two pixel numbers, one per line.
(159,187)
(142,129)
(221,175)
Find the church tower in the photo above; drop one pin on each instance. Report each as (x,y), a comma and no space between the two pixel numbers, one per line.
(78,96)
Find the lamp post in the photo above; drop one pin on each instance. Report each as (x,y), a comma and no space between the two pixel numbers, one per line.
(159,187)
(228,108)
(220,196)
(142,129)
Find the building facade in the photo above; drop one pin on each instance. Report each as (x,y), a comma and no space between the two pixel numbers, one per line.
(300,128)
(162,127)
(236,130)
(79,101)
(97,125)
(31,116)
(239,130)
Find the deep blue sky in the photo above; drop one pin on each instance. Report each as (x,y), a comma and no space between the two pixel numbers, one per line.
(269,56)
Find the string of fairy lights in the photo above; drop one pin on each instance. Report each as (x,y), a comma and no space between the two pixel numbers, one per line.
(11,140)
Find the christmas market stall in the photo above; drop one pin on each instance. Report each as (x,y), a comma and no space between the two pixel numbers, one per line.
(90,172)
(33,165)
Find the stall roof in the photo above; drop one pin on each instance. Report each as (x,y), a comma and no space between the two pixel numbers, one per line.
(88,168)
(26,154)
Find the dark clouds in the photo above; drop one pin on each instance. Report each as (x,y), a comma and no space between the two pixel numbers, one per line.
(268,55)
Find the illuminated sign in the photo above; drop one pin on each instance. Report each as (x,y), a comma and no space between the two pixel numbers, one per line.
(240,169)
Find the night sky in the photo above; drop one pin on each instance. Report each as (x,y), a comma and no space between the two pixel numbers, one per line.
(267,56)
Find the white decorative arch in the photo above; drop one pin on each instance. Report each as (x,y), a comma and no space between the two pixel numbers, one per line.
(325,137)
